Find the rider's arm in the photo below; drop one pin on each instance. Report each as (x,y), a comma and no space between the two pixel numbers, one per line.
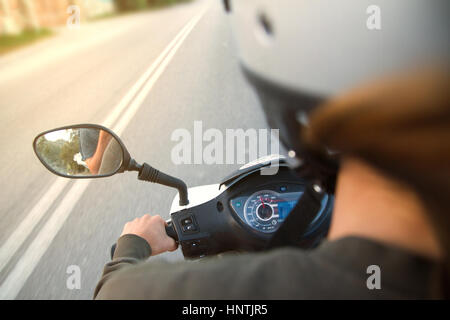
(95,161)
(140,239)
(336,269)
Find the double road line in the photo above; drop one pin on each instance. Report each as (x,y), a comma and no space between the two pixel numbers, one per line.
(117,120)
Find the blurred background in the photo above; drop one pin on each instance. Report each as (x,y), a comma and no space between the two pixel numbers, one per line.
(142,67)
(20,15)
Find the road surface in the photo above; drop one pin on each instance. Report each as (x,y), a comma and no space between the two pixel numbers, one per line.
(178,65)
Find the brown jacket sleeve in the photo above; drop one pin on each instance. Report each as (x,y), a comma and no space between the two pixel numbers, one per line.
(130,250)
(335,270)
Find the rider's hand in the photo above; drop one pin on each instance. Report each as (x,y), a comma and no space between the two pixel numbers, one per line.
(152,229)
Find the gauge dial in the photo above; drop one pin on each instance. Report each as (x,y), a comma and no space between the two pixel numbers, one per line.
(261,211)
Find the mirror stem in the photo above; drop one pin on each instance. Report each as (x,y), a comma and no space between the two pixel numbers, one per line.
(134,166)
(148,173)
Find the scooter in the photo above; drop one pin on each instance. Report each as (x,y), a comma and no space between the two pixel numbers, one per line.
(249,210)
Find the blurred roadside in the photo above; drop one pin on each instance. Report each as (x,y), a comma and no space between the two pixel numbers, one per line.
(25,21)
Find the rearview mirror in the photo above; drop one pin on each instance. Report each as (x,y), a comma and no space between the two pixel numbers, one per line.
(93,151)
(81,151)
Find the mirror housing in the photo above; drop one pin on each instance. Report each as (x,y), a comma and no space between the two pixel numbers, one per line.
(82,151)
(93,151)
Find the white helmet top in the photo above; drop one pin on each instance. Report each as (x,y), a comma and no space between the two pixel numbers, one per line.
(324,47)
(298,53)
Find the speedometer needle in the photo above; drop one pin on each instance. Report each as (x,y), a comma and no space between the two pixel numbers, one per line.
(260,198)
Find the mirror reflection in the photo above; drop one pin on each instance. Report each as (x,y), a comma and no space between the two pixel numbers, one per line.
(80,152)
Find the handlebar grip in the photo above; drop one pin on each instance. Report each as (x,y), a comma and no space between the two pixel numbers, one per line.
(170,230)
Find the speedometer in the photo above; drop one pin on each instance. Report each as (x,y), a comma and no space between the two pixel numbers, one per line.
(265,210)
(262,211)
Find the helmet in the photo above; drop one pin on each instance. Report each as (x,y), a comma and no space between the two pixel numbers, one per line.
(298,53)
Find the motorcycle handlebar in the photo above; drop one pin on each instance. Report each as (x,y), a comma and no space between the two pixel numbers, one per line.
(170,230)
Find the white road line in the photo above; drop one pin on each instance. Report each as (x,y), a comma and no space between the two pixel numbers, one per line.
(20,234)
(14,282)
(23,269)
(132,109)
(138,85)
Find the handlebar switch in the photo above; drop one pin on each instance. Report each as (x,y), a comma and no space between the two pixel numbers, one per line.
(186,221)
(194,249)
(189,228)
(188,224)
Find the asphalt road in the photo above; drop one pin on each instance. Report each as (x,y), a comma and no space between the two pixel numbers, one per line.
(80,76)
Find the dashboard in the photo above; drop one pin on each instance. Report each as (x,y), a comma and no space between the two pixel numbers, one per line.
(245,214)
(264,210)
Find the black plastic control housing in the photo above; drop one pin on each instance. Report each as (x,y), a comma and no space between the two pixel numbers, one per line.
(217,228)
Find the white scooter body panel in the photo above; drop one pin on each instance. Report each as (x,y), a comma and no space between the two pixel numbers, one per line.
(197,196)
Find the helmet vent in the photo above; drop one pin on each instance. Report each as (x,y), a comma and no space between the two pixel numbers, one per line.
(265,23)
